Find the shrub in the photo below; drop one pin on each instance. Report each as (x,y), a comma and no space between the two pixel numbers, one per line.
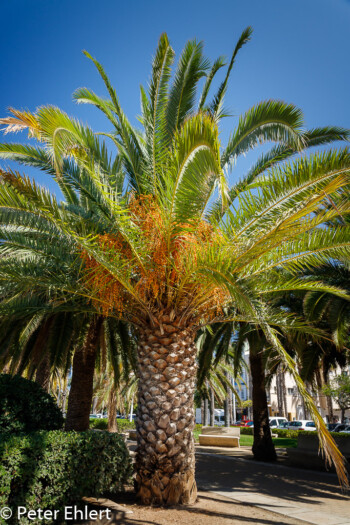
(286,433)
(281,432)
(50,470)
(338,435)
(99,424)
(26,407)
(102,424)
(125,424)
(247,431)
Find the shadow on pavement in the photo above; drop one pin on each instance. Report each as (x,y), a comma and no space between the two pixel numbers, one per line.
(217,473)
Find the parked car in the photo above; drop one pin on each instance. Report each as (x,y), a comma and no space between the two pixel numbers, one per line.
(332,426)
(276,422)
(246,423)
(341,427)
(283,424)
(302,424)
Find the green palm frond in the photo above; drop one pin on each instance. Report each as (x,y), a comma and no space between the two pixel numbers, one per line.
(271,120)
(191,68)
(216,104)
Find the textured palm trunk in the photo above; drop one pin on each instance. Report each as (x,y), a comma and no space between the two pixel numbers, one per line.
(279,392)
(112,411)
(284,393)
(206,410)
(263,447)
(42,376)
(328,398)
(202,411)
(81,389)
(165,463)
(227,404)
(212,408)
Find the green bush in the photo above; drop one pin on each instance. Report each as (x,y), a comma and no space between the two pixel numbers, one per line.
(50,470)
(26,407)
(286,433)
(281,432)
(102,424)
(125,424)
(338,435)
(247,431)
(99,424)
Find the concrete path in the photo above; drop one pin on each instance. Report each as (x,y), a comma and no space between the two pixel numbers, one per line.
(309,496)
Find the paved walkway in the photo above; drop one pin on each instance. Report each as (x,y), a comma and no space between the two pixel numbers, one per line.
(310,496)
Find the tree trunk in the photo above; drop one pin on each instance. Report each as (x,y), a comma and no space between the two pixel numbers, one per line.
(227,404)
(279,392)
(81,388)
(206,409)
(112,411)
(263,447)
(42,376)
(212,408)
(202,411)
(328,398)
(165,462)
(284,394)
(342,415)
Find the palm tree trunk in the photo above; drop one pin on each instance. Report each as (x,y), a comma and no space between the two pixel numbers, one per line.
(227,404)
(263,447)
(81,389)
(279,392)
(328,398)
(284,394)
(42,376)
(342,415)
(112,411)
(202,411)
(212,408)
(206,409)
(165,463)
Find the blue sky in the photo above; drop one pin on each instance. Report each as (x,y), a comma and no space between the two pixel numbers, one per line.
(299,53)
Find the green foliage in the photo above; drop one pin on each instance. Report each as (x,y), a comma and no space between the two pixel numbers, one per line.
(197,430)
(55,469)
(247,431)
(339,390)
(247,441)
(337,435)
(286,433)
(102,424)
(99,424)
(26,407)
(125,424)
(281,432)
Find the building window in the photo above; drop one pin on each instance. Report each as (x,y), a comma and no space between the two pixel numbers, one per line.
(290,391)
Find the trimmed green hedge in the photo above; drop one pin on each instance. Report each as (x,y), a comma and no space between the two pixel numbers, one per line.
(281,432)
(50,470)
(26,407)
(102,424)
(125,424)
(99,424)
(341,435)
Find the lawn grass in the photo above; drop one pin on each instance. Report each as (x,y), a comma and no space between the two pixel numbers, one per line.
(247,441)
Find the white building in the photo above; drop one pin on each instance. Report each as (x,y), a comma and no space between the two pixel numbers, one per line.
(291,403)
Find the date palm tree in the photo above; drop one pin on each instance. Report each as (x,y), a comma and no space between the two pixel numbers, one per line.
(169,260)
